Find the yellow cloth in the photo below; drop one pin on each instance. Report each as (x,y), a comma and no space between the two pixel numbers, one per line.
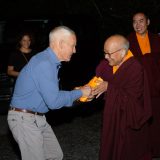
(128,55)
(144,43)
(92,83)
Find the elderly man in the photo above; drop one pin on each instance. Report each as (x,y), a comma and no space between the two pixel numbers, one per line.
(127,103)
(145,47)
(36,92)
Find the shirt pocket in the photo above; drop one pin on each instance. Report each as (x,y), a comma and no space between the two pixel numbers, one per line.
(12,121)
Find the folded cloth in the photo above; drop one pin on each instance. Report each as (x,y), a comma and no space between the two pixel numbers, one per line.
(95,81)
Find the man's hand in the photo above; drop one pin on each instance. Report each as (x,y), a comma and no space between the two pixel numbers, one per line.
(86,90)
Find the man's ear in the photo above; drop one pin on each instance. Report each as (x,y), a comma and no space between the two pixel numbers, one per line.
(60,43)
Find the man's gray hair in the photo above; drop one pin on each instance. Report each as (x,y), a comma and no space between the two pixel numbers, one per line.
(59,32)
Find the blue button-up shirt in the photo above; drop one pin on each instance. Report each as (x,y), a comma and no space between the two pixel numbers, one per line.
(37,86)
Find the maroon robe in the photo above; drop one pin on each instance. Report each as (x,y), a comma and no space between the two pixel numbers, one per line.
(126,112)
(151,62)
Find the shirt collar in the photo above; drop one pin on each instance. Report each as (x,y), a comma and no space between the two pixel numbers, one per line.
(53,57)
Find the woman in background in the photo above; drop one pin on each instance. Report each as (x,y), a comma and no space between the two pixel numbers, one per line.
(20,57)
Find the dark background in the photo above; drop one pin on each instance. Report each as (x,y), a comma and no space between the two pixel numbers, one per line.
(92,20)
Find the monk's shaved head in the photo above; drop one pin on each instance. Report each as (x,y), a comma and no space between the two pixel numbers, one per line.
(115,48)
(118,41)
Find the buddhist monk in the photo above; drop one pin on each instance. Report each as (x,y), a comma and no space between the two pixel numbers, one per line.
(127,108)
(145,46)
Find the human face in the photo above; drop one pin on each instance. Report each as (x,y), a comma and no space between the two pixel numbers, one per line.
(107,54)
(140,23)
(25,42)
(113,54)
(68,48)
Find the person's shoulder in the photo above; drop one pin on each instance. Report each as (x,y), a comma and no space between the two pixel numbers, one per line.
(132,67)
(39,53)
(103,64)
(40,58)
(15,53)
(135,63)
(154,35)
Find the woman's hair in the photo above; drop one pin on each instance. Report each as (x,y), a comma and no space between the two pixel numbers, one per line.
(21,35)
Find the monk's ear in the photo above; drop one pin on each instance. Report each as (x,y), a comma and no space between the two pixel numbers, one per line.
(148,22)
(123,53)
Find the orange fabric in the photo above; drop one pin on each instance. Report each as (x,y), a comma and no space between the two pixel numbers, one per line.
(129,54)
(92,83)
(144,43)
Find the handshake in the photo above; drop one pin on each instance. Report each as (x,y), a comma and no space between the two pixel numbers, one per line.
(94,82)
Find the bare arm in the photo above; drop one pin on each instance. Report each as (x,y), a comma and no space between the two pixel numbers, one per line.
(12,72)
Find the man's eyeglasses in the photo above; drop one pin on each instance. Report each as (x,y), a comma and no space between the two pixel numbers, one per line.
(109,54)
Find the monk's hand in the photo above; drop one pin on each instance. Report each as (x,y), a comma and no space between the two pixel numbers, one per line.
(101,88)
